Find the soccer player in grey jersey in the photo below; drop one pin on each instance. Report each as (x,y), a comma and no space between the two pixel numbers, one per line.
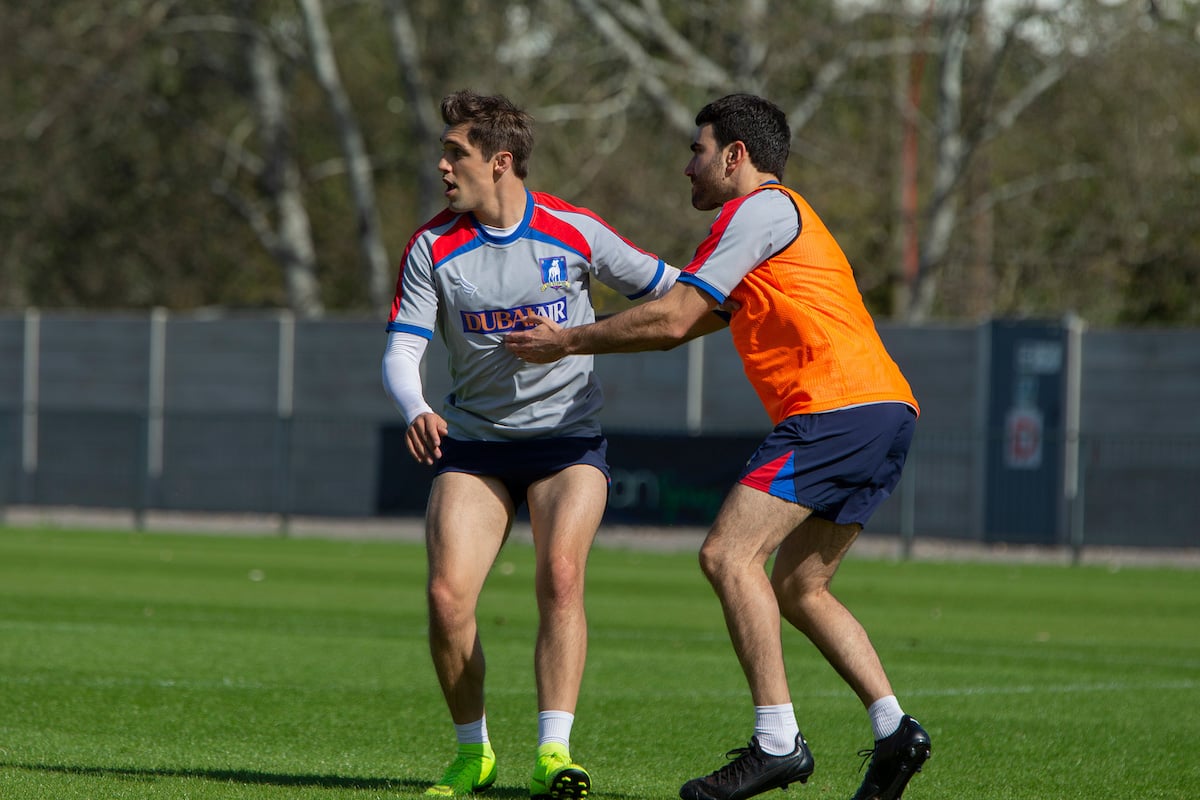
(510,432)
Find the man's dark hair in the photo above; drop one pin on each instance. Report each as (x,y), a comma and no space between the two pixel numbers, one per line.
(496,124)
(759,124)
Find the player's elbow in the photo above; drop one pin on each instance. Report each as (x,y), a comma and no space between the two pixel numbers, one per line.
(676,331)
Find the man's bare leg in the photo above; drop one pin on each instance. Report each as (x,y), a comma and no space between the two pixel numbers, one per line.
(801,577)
(565,510)
(803,571)
(467,522)
(748,529)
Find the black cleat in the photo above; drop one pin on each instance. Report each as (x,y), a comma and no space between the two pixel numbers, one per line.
(894,761)
(752,772)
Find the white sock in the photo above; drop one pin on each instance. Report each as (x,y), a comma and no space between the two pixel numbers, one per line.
(885,716)
(776,729)
(555,726)
(472,732)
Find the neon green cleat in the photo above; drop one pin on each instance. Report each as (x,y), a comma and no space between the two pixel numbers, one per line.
(474,770)
(556,777)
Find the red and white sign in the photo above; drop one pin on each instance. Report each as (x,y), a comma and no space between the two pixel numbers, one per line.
(1023,439)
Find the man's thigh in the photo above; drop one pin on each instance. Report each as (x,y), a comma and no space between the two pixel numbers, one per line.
(566,508)
(466,523)
(809,557)
(753,523)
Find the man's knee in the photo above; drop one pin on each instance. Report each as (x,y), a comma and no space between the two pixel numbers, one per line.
(709,560)
(717,559)
(560,581)
(798,599)
(449,606)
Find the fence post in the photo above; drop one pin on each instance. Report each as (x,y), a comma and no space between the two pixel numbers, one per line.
(981,438)
(1071,421)
(908,505)
(284,408)
(1075,514)
(150,474)
(29,404)
(695,386)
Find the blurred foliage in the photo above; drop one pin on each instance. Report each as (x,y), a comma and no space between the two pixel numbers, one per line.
(121,114)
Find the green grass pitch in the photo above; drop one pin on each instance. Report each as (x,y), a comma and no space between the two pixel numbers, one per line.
(139,665)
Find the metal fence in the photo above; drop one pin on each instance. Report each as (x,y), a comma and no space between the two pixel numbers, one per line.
(1133,491)
(262,414)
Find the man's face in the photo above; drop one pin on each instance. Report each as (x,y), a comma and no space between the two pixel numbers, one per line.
(707,171)
(467,175)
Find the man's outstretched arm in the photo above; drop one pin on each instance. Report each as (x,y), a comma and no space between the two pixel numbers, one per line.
(681,314)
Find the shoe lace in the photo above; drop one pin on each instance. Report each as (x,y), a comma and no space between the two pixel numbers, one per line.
(865,754)
(555,761)
(741,757)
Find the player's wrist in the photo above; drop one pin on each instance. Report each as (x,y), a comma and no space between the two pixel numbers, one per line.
(416,412)
(568,341)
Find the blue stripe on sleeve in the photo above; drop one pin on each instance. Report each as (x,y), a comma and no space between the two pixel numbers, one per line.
(401,327)
(662,268)
(708,288)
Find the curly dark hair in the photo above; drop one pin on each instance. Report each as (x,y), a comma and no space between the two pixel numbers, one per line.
(758,123)
(496,124)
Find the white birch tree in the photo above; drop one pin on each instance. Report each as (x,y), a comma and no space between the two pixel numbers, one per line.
(376,268)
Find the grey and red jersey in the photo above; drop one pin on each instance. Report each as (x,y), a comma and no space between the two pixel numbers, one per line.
(473,287)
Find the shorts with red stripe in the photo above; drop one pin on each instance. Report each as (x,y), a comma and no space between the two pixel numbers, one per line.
(842,464)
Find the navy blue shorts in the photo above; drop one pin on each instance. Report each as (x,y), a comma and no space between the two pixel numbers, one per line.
(841,464)
(518,464)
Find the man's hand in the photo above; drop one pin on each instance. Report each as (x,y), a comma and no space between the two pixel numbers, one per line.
(539,342)
(424,437)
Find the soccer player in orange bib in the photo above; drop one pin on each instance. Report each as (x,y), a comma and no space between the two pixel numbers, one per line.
(844,417)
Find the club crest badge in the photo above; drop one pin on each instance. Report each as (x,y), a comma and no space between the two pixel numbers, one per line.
(554,272)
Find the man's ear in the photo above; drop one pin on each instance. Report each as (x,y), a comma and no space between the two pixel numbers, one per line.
(502,162)
(735,154)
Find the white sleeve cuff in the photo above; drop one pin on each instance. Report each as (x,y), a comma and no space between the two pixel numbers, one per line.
(670,274)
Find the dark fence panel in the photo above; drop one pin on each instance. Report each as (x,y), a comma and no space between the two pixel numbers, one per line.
(260,413)
(221,462)
(89,458)
(1141,491)
(10,458)
(333,466)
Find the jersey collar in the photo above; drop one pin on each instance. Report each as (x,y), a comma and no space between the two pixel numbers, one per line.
(517,233)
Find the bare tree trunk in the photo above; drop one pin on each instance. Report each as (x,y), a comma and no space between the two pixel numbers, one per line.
(358,164)
(949,159)
(291,243)
(954,147)
(287,234)
(979,281)
(907,72)
(425,125)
